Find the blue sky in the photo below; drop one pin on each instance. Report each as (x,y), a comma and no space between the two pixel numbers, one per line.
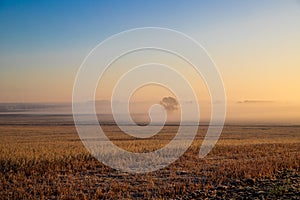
(254,43)
(50,25)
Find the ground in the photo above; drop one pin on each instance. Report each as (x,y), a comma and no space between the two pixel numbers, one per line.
(48,161)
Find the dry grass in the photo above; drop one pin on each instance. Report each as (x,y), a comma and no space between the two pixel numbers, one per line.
(42,162)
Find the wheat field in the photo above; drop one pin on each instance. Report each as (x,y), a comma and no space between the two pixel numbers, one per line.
(50,162)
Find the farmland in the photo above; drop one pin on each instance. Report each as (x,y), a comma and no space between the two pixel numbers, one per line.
(49,161)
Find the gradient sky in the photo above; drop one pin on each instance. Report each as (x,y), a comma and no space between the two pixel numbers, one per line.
(255,44)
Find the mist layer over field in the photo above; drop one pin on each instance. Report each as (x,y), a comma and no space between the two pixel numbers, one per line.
(243,112)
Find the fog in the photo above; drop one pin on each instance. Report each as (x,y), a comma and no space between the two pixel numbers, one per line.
(244,111)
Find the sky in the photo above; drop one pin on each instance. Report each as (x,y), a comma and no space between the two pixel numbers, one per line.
(255,45)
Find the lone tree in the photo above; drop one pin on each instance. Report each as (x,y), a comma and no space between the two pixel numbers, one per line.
(169,103)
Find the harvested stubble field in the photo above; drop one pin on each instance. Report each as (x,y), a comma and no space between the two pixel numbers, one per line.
(41,161)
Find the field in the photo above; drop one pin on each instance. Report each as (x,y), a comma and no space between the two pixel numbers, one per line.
(48,161)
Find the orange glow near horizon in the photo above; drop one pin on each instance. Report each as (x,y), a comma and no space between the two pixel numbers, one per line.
(256,51)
